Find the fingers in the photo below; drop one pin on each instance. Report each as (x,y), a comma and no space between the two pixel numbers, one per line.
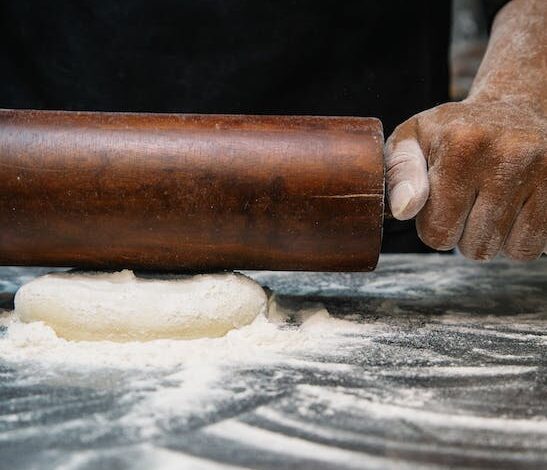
(406,173)
(528,236)
(441,222)
(488,224)
(471,180)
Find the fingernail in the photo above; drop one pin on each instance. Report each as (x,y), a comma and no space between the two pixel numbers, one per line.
(400,198)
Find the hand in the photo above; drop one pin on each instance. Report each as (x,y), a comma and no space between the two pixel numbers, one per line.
(475,174)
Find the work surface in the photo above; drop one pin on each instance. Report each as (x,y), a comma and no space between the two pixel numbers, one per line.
(438,362)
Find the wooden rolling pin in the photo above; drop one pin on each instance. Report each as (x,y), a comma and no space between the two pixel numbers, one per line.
(190,192)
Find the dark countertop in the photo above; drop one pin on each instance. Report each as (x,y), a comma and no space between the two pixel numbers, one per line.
(449,371)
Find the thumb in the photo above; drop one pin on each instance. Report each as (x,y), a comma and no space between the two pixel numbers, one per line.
(406,172)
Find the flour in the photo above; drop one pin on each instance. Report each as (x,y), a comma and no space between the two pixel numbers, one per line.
(190,371)
(423,361)
(262,340)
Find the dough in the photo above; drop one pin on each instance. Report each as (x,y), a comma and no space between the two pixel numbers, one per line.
(123,307)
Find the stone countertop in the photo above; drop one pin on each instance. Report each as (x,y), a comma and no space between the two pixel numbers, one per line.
(451,373)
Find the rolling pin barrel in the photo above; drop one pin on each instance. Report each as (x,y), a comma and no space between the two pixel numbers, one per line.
(190,192)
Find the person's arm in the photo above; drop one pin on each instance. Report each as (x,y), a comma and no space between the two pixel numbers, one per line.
(474,173)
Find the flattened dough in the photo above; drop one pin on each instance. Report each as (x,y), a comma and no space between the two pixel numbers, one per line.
(123,307)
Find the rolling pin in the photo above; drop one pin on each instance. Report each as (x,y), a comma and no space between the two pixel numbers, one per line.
(183,192)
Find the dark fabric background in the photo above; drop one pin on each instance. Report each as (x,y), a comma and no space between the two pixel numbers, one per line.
(387,59)
(491,9)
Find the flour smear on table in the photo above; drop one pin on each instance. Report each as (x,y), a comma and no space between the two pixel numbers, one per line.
(267,338)
(403,367)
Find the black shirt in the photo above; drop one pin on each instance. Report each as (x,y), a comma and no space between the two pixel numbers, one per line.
(387,59)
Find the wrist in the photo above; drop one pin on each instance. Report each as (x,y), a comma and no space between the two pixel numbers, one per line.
(497,94)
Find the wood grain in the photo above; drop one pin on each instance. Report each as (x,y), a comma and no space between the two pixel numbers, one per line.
(190,192)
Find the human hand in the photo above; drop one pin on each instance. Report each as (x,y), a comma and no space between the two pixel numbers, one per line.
(474,174)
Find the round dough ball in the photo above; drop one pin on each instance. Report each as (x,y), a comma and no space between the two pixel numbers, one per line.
(123,307)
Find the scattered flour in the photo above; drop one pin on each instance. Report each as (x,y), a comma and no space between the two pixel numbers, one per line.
(264,339)
(191,371)
(301,384)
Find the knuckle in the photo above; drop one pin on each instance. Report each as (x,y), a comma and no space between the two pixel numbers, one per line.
(519,152)
(521,142)
(465,135)
(404,131)
(459,146)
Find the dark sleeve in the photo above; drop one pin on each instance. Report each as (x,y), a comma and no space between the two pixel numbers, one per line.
(491,8)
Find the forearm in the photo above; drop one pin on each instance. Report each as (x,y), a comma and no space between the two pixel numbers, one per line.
(515,64)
